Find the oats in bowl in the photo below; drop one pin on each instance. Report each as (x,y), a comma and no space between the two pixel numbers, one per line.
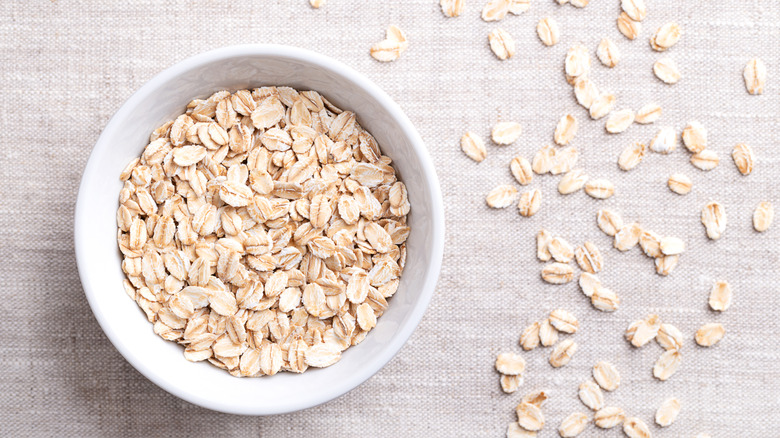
(263,230)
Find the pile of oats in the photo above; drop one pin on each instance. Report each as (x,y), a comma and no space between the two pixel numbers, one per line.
(263,230)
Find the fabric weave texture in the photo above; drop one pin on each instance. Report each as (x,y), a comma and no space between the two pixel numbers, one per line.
(67,66)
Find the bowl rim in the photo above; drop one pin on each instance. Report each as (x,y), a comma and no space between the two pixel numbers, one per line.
(292,53)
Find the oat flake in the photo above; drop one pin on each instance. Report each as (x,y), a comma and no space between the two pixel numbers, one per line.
(680,184)
(502,44)
(667,412)
(763,216)
(710,334)
(548,31)
(608,53)
(606,375)
(755,76)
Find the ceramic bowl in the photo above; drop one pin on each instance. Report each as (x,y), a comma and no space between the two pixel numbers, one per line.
(126,135)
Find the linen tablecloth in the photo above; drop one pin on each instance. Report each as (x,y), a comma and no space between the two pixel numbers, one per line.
(67,65)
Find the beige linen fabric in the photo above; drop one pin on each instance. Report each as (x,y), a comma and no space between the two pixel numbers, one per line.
(66,66)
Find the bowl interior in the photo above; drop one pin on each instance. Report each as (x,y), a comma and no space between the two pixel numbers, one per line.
(124,138)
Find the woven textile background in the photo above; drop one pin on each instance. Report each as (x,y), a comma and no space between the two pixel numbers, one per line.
(66,66)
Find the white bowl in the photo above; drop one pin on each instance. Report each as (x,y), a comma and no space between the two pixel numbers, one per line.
(125,136)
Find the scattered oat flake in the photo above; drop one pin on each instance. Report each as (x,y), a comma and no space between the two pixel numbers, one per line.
(521,170)
(666,36)
(619,121)
(510,384)
(665,265)
(755,76)
(710,334)
(763,216)
(602,106)
(606,375)
(510,364)
(642,331)
(648,114)
(610,222)
(502,44)
(694,137)
(589,257)
(604,299)
(720,296)
(609,417)
(631,156)
(530,339)
(543,238)
(650,242)
(572,181)
(742,154)
(560,249)
(577,61)
(564,321)
(473,146)
(585,92)
(588,283)
(530,202)
(502,196)
(565,130)
(505,133)
(496,10)
(669,337)
(667,364)
(548,335)
(557,273)
(573,425)
(628,27)
(599,188)
(665,141)
(517,7)
(529,416)
(627,237)
(591,395)
(452,8)
(667,412)
(705,160)
(608,53)
(680,184)
(548,31)
(565,160)
(562,353)
(391,47)
(713,217)
(635,428)
(666,70)
(672,245)
(316,4)
(544,160)
(579,3)
(635,9)
(536,398)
